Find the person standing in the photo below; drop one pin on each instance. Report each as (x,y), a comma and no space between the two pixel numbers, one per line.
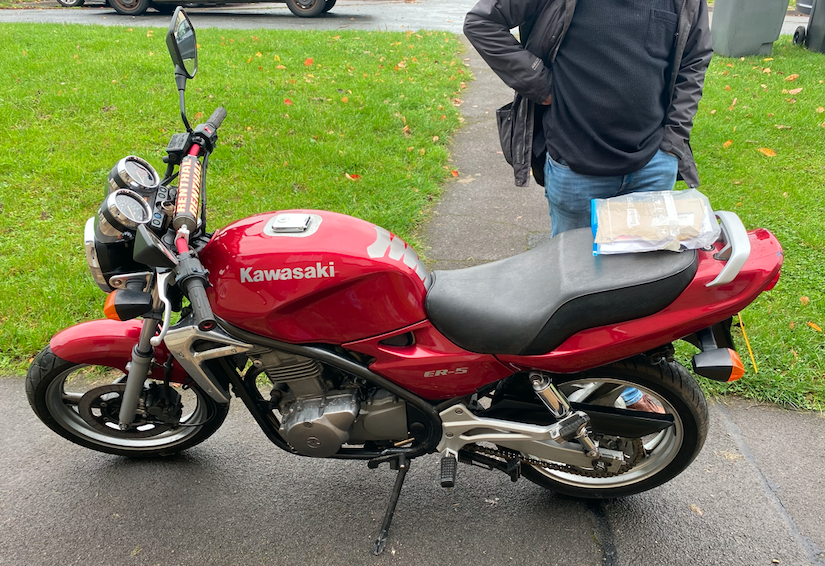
(604,102)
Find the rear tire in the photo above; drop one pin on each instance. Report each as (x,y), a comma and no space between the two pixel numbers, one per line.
(129,7)
(55,387)
(306,8)
(667,453)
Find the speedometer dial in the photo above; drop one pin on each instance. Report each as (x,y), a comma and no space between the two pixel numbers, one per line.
(122,211)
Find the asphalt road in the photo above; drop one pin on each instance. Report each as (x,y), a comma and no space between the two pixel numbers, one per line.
(754,496)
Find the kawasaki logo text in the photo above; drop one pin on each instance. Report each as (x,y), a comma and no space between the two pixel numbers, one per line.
(316,271)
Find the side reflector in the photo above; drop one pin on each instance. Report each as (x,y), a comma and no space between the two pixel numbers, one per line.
(719,364)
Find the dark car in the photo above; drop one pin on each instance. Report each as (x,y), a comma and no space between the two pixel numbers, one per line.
(302,8)
(804,6)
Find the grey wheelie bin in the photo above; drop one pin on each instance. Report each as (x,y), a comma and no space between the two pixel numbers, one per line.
(815,36)
(746,27)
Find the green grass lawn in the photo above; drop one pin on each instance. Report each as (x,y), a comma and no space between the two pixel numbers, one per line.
(354,122)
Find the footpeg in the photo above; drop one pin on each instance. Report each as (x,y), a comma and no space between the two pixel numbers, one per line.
(449,469)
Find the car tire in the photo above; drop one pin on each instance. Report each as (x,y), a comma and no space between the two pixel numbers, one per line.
(129,7)
(306,8)
(71,3)
(328,6)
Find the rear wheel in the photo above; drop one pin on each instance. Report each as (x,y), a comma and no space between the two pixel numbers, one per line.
(129,7)
(81,403)
(653,459)
(306,8)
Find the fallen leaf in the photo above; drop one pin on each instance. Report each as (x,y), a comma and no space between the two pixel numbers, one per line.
(767,70)
(768,59)
(288,102)
(281,67)
(793,77)
(733,104)
(795,91)
(804,300)
(353,177)
(792,325)
(695,508)
(435,139)
(713,112)
(727,87)
(308,62)
(814,326)
(344,99)
(767,152)
(198,115)
(407,131)
(820,110)
(454,173)
(781,127)
(422,151)
(727,144)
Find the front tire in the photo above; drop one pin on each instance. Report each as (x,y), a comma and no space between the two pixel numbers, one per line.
(71,3)
(306,8)
(55,388)
(665,455)
(129,7)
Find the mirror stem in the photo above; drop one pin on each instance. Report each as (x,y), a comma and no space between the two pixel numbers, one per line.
(180,81)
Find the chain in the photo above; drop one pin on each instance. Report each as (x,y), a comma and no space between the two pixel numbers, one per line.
(513,455)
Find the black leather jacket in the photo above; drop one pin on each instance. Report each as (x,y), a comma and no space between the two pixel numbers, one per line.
(527,67)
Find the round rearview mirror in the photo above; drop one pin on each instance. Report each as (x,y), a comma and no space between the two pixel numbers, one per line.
(180,39)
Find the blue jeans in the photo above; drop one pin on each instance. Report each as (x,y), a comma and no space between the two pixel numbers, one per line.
(569,195)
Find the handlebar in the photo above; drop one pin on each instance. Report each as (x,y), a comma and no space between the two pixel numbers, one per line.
(201,310)
(216,118)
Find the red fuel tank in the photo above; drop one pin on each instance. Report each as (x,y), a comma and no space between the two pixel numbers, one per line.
(314,276)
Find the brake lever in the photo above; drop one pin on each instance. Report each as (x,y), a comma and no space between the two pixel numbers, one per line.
(160,288)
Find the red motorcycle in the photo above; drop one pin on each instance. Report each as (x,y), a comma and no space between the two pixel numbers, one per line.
(342,345)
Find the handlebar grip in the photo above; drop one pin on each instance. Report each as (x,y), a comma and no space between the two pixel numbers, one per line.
(195,290)
(216,119)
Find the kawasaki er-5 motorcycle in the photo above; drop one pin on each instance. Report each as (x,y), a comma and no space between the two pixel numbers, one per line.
(341,344)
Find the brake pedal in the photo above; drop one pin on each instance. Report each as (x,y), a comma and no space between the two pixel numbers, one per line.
(449,469)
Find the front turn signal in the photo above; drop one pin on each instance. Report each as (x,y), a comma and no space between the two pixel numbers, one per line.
(126,304)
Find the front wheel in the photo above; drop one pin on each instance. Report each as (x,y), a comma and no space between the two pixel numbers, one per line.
(129,7)
(306,8)
(71,3)
(653,459)
(328,6)
(81,403)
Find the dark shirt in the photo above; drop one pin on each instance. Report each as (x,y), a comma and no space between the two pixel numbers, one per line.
(609,82)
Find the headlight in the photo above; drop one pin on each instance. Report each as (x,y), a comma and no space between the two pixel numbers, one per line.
(91,255)
(122,211)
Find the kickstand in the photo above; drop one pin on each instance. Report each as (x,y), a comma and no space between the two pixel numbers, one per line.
(402,465)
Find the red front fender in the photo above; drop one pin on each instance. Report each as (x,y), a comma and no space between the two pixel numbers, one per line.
(108,343)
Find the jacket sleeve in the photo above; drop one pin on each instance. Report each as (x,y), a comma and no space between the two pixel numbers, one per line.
(689,83)
(487,27)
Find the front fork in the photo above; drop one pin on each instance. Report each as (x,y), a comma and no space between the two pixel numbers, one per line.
(144,351)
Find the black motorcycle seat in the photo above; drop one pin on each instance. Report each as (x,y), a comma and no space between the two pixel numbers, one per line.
(530,303)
